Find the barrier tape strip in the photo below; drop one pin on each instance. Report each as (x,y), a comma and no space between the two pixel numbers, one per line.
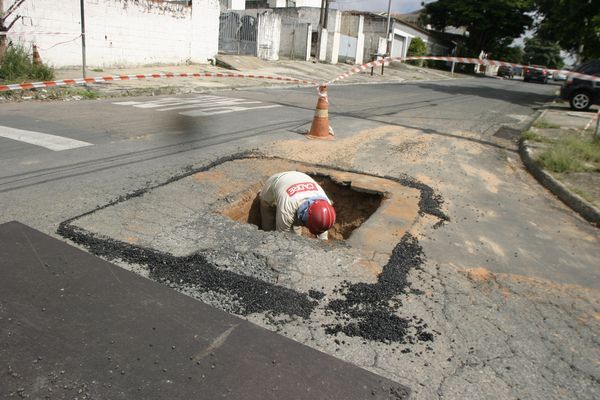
(99,79)
(461,60)
(81,81)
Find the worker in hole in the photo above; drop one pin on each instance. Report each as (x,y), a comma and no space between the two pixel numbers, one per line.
(290,200)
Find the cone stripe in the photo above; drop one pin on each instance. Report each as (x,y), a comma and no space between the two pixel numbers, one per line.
(321,113)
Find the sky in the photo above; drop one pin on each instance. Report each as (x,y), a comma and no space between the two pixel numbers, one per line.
(398,6)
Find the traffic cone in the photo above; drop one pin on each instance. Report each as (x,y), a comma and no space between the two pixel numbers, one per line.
(320,126)
(37,60)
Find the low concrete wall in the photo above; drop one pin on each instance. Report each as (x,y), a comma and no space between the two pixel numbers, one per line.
(120,32)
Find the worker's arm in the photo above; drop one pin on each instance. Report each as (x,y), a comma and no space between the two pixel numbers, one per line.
(284,220)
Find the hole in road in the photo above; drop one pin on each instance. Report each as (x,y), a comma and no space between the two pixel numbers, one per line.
(352,207)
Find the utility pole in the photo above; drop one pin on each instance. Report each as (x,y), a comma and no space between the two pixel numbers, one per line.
(320,28)
(83,35)
(387,33)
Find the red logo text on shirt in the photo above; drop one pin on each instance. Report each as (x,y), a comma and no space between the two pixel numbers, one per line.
(301,187)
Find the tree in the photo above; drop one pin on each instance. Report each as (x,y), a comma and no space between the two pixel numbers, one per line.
(6,25)
(491,24)
(513,54)
(540,52)
(417,48)
(575,25)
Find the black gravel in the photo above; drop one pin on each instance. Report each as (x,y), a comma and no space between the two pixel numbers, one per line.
(316,294)
(369,309)
(251,295)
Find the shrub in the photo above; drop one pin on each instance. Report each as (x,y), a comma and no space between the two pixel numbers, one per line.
(18,66)
(417,48)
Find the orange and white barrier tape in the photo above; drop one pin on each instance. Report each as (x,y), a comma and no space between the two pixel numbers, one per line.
(461,60)
(99,79)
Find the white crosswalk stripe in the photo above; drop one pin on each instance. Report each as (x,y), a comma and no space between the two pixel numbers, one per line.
(52,142)
(201,105)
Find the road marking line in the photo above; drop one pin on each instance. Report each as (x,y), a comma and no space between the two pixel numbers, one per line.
(204,105)
(221,110)
(52,142)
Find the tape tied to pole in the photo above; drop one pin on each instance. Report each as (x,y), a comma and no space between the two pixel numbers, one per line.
(322,92)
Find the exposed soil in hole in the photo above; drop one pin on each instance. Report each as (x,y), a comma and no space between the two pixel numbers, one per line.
(352,207)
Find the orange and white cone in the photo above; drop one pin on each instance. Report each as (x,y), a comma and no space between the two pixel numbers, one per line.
(320,126)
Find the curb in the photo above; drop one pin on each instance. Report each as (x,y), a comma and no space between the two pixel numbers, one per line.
(584,208)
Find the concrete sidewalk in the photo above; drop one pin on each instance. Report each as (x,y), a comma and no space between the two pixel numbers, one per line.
(304,70)
(549,153)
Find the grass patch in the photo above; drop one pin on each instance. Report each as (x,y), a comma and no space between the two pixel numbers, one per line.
(98,70)
(534,137)
(79,91)
(583,194)
(17,66)
(541,124)
(572,153)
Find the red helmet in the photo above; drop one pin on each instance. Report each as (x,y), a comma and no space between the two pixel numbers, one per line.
(321,217)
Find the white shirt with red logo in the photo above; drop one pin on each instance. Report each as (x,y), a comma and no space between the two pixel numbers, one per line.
(287,191)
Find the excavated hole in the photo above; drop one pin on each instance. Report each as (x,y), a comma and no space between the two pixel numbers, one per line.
(352,207)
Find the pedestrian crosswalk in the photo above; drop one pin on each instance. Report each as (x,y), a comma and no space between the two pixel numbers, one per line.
(52,142)
(200,105)
(195,106)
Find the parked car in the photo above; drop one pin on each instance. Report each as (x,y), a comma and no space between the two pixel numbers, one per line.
(505,71)
(535,73)
(560,75)
(582,93)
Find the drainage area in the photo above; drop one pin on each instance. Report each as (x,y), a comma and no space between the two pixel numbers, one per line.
(352,206)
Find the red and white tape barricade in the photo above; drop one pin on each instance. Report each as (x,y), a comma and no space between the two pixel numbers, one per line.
(462,60)
(353,71)
(101,79)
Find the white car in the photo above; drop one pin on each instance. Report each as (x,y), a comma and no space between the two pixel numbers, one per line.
(560,75)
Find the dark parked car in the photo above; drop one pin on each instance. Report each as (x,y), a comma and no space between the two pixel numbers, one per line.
(535,73)
(505,71)
(582,93)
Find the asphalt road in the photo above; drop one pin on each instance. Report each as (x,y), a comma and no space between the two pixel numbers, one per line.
(509,285)
(124,138)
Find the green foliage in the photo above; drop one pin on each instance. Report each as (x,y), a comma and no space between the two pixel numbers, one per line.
(541,52)
(534,137)
(492,24)
(572,153)
(574,24)
(513,54)
(18,66)
(417,48)
(542,124)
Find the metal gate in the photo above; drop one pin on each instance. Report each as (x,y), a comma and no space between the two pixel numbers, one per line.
(237,34)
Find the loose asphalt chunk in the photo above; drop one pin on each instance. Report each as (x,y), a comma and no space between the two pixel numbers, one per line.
(73,325)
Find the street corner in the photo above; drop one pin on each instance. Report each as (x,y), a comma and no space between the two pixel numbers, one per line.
(199,234)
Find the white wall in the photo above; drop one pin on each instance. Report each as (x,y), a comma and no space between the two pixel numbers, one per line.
(268,36)
(308,3)
(120,32)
